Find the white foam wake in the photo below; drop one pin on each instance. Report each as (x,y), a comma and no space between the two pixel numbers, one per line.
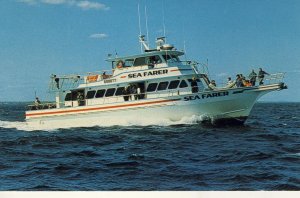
(24,126)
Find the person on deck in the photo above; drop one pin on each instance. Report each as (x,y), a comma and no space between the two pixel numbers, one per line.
(212,84)
(125,93)
(252,77)
(229,81)
(120,64)
(261,76)
(134,91)
(239,81)
(37,103)
(80,98)
(194,85)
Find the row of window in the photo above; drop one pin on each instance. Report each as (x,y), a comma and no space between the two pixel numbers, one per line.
(120,90)
(164,85)
(148,60)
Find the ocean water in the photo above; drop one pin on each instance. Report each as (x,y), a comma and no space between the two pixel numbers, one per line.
(264,154)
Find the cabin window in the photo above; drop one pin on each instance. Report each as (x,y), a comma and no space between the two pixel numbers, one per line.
(173,84)
(183,84)
(90,94)
(110,92)
(68,97)
(151,87)
(154,60)
(100,93)
(149,60)
(128,62)
(140,61)
(120,91)
(162,86)
(171,58)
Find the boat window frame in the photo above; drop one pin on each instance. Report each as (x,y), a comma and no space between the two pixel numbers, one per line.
(102,94)
(173,81)
(107,91)
(158,89)
(68,97)
(152,90)
(183,81)
(171,58)
(148,60)
(87,96)
(122,92)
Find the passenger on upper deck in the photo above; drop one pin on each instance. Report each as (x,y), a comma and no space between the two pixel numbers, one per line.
(120,64)
(56,79)
(154,60)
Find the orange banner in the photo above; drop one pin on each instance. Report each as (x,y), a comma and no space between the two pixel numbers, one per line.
(92,78)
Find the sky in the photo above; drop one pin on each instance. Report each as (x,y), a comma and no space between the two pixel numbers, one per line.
(43,37)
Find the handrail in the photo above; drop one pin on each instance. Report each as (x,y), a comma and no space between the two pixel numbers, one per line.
(49,105)
(274,78)
(268,79)
(167,93)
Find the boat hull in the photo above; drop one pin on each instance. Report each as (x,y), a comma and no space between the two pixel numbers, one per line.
(231,106)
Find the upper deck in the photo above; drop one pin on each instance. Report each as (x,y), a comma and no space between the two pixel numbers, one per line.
(162,62)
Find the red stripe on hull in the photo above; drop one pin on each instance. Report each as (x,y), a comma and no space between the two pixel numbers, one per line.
(98,108)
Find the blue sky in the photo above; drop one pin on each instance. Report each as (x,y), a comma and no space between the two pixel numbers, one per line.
(43,37)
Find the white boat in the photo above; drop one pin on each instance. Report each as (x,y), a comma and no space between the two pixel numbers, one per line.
(154,84)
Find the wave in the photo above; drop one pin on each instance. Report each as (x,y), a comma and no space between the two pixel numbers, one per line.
(22,126)
(62,124)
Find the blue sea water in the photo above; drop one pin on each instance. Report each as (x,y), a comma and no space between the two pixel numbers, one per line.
(264,154)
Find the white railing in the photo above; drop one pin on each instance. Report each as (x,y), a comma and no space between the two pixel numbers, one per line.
(67,82)
(268,79)
(48,105)
(114,99)
(273,78)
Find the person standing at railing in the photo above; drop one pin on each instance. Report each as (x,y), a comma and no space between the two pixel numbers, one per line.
(134,91)
(138,90)
(125,93)
(229,81)
(194,85)
(252,77)
(212,84)
(37,103)
(80,99)
(239,81)
(261,76)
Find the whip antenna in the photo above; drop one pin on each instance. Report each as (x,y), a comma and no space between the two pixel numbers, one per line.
(164,26)
(146,18)
(140,25)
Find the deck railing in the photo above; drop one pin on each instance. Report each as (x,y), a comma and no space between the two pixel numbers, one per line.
(268,80)
(273,78)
